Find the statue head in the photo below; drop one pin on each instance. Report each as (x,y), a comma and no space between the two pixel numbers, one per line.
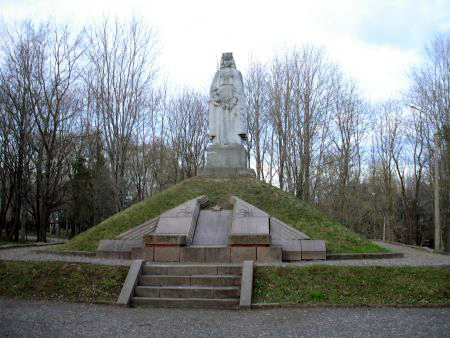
(227,61)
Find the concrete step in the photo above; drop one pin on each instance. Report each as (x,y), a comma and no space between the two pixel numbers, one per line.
(192,269)
(232,303)
(194,280)
(188,292)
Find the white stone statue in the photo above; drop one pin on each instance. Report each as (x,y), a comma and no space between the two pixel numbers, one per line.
(227,113)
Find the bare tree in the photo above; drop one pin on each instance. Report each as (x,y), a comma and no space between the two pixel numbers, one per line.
(257,116)
(188,133)
(120,73)
(430,92)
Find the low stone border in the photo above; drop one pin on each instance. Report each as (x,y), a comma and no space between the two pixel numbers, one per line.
(246,285)
(130,283)
(14,246)
(66,253)
(264,306)
(345,256)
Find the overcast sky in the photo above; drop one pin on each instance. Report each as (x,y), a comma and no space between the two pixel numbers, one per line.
(375,42)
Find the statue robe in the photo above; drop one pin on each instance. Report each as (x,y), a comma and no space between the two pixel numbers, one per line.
(227,113)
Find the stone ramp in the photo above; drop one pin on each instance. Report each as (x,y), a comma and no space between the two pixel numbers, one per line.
(212,228)
(188,286)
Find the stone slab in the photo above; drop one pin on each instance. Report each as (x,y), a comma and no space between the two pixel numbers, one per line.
(189,270)
(243,253)
(235,269)
(159,280)
(226,156)
(174,225)
(130,283)
(110,245)
(185,303)
(217,254)
(292,255)
(165,239)
(184,210)
(217,280)
(250,225)
(192,254)
(166,254)
(242,208)
(249,239)
(155,269)
(246,285)
(138,232)
(268,254)
(145,253)
(212,227)
(110,249)
(313,249)
(283,230)
(226,172)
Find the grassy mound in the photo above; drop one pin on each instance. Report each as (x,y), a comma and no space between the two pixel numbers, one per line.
(287,208)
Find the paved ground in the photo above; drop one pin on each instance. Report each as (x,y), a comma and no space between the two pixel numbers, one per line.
(20,318)
(39,254)
(413,257)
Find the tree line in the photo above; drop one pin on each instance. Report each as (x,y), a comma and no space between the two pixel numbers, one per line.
(369,165)
(85,131)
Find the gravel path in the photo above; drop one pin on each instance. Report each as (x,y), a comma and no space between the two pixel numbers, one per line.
(22,318)
(413,257)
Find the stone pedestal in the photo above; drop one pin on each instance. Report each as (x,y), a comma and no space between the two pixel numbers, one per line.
(226,160)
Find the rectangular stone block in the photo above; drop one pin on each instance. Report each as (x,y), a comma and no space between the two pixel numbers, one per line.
(242,208)
(109,249)
(174,225)
(130,244)
(192,254)
(217,254)
(155,269)
(186,293)
(226,156)
(145,254)
(313,249)
(292,255)
(230,292)
(229,269)
(166,254)
(250,225)
(243,253)
(130,282)
(108,254)
(188,209)
(125,255)
(165,239)
(148,280)
(249,239)
(246,285)
(283,230)
(217,280)
(268,254)
(189,270)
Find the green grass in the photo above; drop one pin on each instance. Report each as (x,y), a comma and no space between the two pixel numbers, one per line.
(282,205)
(352,285)
(61,281)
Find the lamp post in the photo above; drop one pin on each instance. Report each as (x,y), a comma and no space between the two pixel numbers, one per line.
(437,219)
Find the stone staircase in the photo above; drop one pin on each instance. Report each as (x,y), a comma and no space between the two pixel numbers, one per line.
(188,285)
